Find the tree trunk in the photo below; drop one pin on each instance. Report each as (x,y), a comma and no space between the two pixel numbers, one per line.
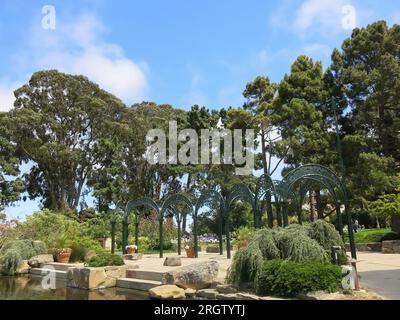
(184,216)
(319,204)
(311,206)
(270,213)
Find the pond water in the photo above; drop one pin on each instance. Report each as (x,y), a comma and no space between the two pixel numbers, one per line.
(30,288)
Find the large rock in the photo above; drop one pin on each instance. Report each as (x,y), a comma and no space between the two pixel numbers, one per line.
(212,249)
(190,293)
(23,268)
(167,292)
(36,261)
(196,276)
(86,278)
(95,278)
(172,261)
(225,289)
(392,246)
(207,293)
(114,273)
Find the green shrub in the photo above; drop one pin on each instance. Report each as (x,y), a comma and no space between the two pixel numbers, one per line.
(144,244)
(295,245)
(78,252)
(327,236)
(13,252)
(290,243)
(265,242)
(39,247)
(10,261)
(105,259)
(245,265)
(288,278)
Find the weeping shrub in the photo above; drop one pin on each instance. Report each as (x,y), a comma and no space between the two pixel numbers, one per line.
(264,239)
(327,236)
(295,245)
(10,261)
(245,265)
(13,252)
(290,243)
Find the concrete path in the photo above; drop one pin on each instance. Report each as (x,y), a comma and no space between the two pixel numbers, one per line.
(380,273)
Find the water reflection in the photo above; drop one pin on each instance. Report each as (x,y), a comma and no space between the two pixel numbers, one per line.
(30,288)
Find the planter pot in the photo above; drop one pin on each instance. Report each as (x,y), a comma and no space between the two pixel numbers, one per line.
(63,257)
(190,252)
(130,250)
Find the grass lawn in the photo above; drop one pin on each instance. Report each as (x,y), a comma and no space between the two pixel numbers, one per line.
(374,235)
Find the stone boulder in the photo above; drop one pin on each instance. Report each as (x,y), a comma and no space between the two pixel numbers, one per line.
(207,293)
(113,273)
(86,278)
(391,246)
(36,261)
(172,261)
(212,249)
(167,292)
(190,293)
(225,289)
(23,268)
(196,276)
(95,278)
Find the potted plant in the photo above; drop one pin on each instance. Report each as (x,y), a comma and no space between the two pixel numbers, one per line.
(189,248)
(131,249)
(63,255)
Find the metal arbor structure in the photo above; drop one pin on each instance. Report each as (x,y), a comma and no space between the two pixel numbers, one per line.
(168,205)
(292,189)
(301,177)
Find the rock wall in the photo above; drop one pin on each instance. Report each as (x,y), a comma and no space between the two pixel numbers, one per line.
(392,246)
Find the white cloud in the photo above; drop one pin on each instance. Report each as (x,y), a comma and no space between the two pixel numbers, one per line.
(320,15)
(78,47)
(7,95)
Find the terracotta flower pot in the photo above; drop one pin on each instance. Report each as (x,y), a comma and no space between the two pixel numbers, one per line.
(130,250)
(190,252)
(63,257)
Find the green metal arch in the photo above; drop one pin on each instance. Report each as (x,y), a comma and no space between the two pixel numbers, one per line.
(170,202)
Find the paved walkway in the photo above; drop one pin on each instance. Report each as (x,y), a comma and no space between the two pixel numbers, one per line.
(380,273)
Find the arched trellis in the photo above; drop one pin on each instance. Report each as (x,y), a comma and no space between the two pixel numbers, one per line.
(328,179)
(214,199)
(284,192)
(134,204)
(171,203)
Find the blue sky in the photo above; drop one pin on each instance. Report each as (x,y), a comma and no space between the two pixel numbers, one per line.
(178,52)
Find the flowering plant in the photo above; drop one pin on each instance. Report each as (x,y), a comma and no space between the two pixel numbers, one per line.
(131,247)
(63,250)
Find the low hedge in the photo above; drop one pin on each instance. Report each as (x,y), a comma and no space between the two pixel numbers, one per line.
(287,278)
(105,259)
